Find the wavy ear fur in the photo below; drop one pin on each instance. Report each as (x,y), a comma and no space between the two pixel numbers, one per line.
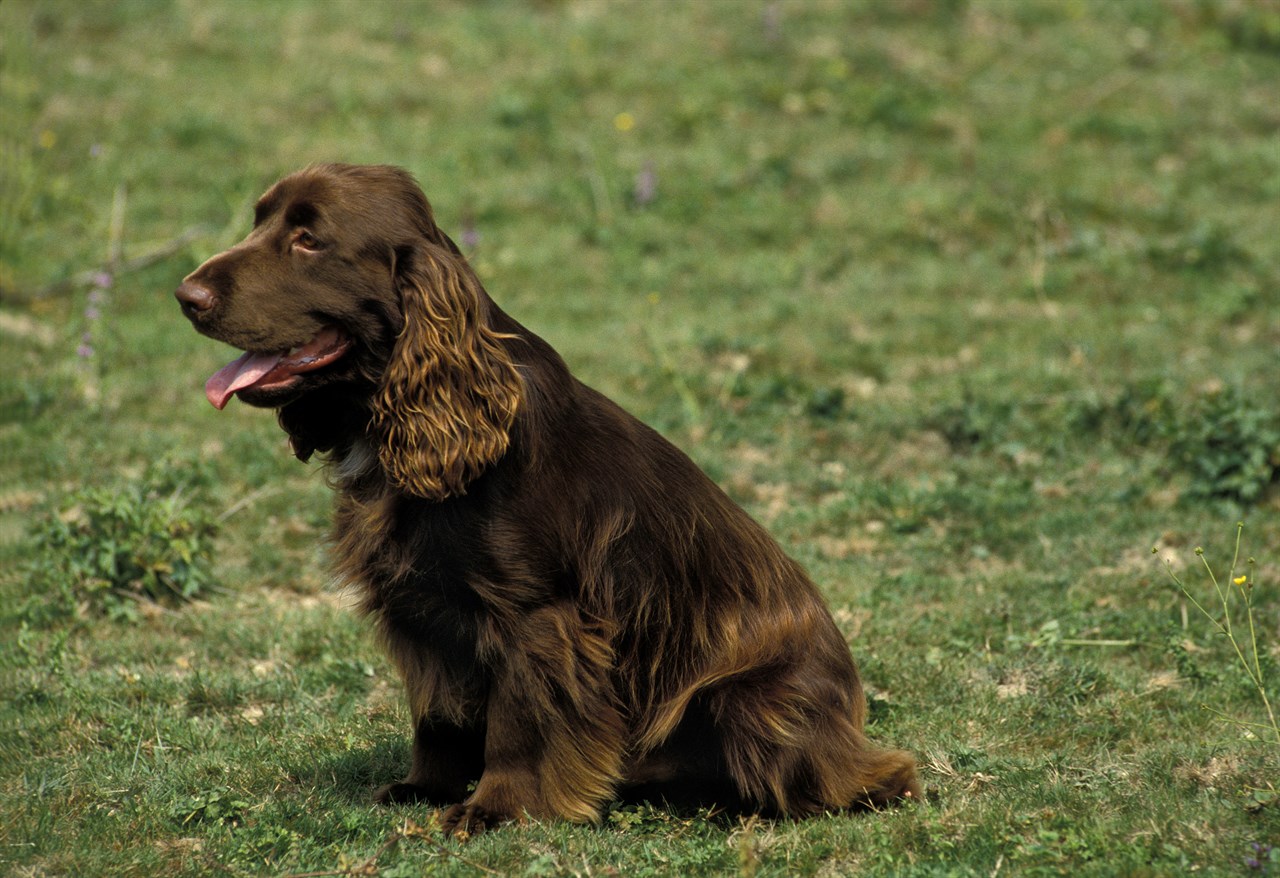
(450,390)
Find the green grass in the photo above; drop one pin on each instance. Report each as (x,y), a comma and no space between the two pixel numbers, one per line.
(971,303)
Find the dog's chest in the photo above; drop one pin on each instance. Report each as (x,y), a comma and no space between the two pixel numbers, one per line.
(413,569)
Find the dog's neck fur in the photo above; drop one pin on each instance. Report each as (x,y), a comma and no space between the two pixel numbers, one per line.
(354,463)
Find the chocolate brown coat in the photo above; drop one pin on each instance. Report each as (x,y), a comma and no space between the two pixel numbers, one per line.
(577,611)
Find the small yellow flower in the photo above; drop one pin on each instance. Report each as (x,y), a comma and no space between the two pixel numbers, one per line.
(47,139)
(1240,580)
(624,121)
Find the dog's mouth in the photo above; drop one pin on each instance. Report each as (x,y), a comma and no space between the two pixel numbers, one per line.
(274,372)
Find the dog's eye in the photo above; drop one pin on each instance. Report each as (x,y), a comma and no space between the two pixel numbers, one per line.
(307,241)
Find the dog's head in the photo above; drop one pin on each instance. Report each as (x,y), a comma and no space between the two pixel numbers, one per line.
(356,312)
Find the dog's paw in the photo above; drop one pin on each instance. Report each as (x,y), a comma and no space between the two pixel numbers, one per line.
(466,819)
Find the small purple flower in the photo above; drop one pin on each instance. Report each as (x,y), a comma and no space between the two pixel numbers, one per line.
(771,19)
(1262,853)
(101,281)
(646,188)
(470,234)
(95,150)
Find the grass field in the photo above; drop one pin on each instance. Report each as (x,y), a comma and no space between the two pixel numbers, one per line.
(973,304)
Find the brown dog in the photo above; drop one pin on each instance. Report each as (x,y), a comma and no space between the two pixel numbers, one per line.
(577,611)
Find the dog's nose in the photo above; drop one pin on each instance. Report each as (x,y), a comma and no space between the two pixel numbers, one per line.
(195,299)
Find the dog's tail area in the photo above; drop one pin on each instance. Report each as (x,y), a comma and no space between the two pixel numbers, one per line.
(878,777)
(812,764)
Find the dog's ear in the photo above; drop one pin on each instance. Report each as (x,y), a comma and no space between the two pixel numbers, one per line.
(450,391)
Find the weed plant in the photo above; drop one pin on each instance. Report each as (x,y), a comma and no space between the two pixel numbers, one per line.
(1231,614)
(1230,447)
(111,549)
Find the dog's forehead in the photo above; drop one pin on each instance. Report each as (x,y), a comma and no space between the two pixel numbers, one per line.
(313,195)
(298,197)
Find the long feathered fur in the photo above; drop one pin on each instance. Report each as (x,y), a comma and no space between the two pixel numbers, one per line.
(450,392)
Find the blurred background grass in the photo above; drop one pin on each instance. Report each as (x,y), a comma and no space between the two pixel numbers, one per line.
(972,303)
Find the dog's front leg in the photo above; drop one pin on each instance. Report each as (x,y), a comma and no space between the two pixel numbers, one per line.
(554,736)
(446,758)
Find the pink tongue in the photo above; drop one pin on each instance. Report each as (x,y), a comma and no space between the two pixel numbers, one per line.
(245,371)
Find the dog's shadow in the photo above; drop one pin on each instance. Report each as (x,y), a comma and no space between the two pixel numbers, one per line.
(354,774)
